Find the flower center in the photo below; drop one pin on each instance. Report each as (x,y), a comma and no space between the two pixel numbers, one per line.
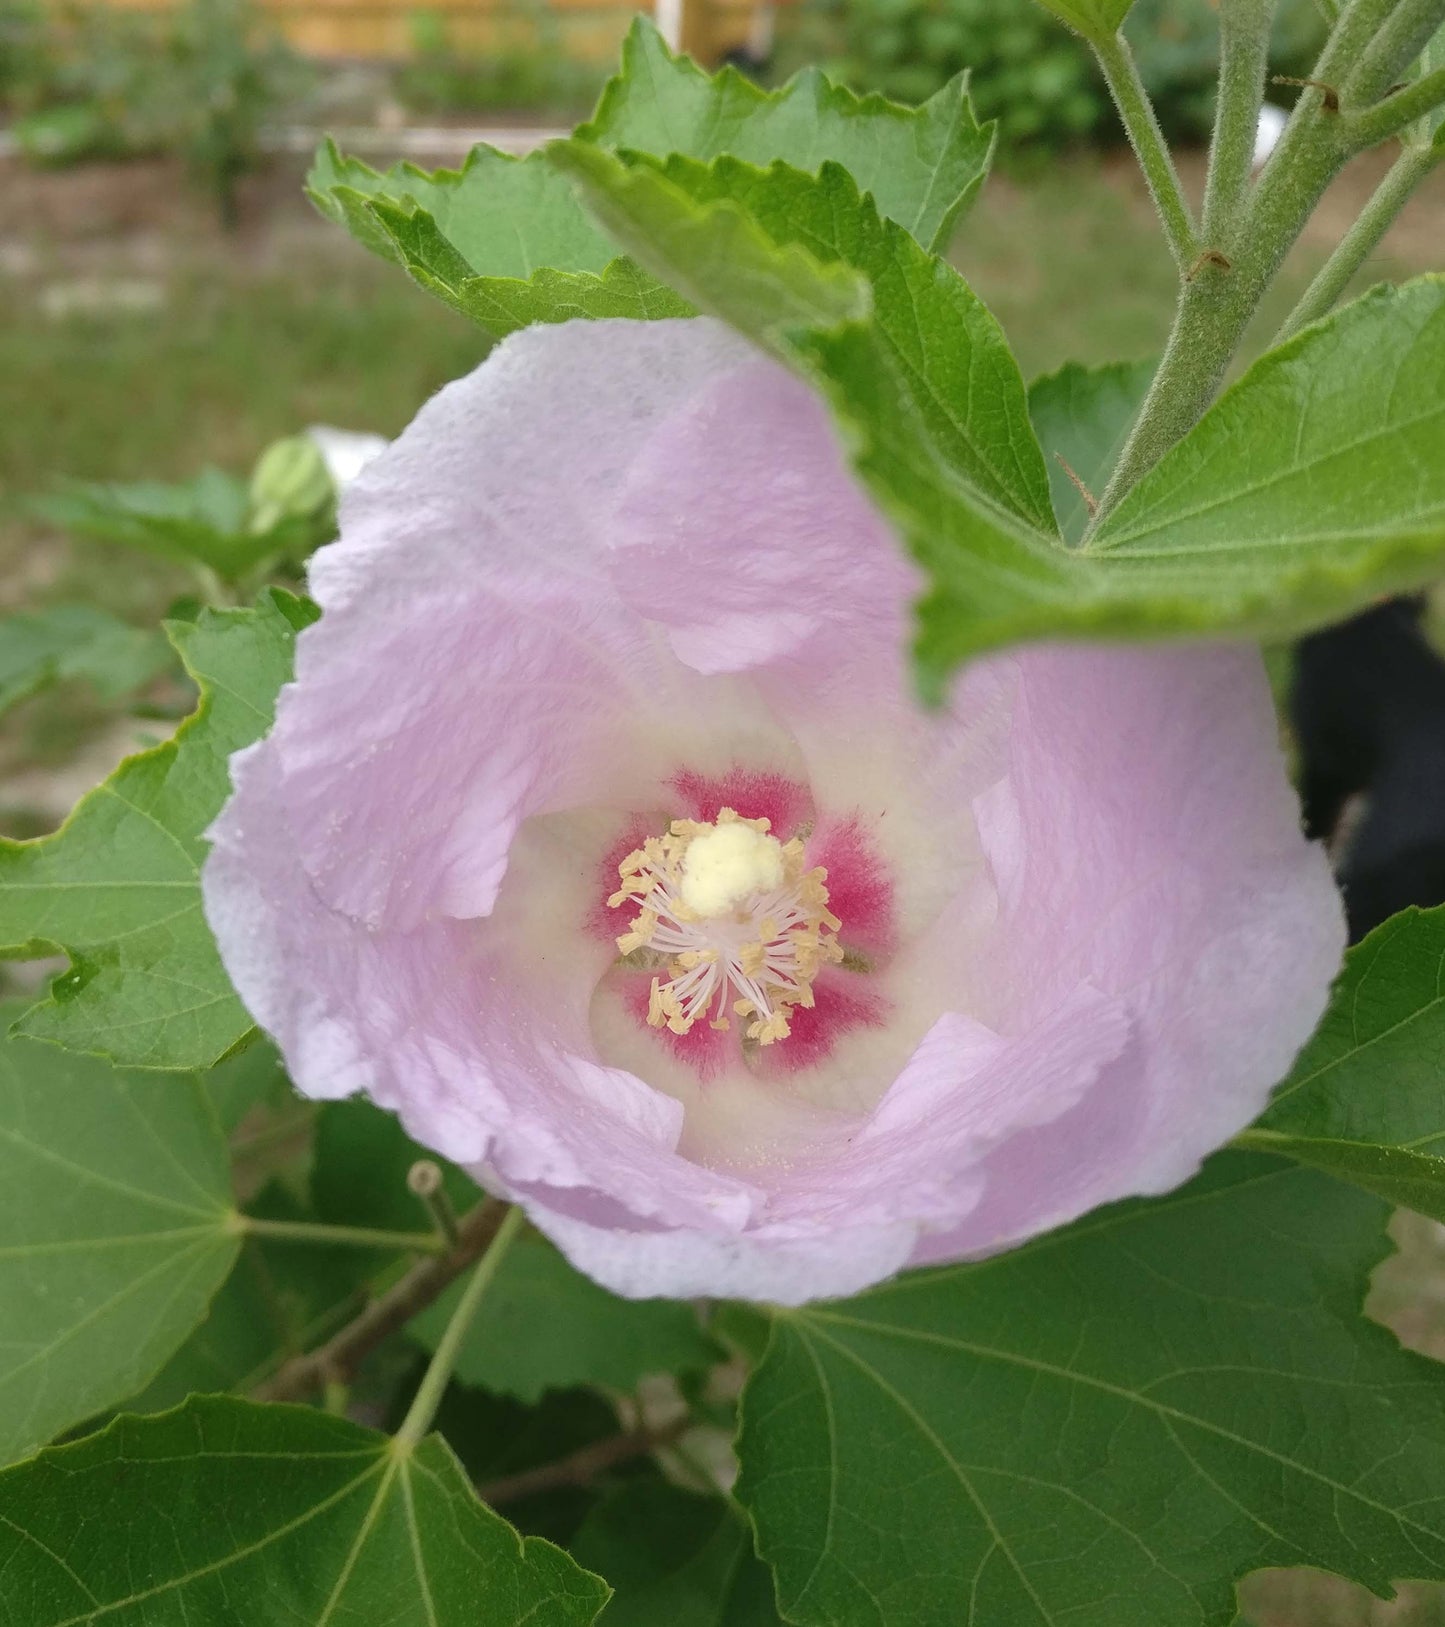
(731,916)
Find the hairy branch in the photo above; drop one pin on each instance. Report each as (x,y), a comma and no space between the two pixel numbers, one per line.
(1389,118)
(338,1359)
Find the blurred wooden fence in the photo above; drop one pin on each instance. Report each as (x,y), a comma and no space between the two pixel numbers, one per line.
(588,30)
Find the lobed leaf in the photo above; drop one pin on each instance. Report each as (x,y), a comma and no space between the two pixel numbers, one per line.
(504,241)
(116,887)
(922,165)
(1106,1427)
(115,1231)
(225,1511)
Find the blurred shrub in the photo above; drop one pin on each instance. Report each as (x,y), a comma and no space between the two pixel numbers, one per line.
(28,65)
(1029,71)
(93,82)
(528,69)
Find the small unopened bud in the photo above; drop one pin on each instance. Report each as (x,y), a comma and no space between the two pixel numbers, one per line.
(424,1179)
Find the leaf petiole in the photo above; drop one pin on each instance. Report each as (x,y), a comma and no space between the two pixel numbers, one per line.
(303,1231)
(1147,140)
(1355,247)
(1244,32)
(438,1374)
(1390,117)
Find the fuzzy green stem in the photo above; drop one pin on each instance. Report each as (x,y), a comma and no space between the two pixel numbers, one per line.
(1390,117)
(1356,27)
(1408,170)
(1218,302)
(303,1231)
(438,1375)
(1244,30)
(1147,140)
(1399,40)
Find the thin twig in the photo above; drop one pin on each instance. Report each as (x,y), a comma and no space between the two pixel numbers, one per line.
(583,1466)
(338,1359)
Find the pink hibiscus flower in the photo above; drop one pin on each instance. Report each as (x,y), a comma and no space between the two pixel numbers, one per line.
(601,838)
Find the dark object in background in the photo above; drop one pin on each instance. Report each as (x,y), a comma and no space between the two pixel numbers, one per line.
(1369,712)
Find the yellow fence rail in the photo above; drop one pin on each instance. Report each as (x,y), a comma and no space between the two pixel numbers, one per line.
(589,30)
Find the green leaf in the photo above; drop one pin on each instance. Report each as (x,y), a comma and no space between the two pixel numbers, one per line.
(1094,19)
(923,165)
(43,647)
(224,1512)
(546,1326)
(206,521)
(1312,486)
(1363,1101)
(676,1558)
(504,241)
(1106,1427)
(1082,417)
(281,1298)
(1318,479)
(115,1231)
(116,887)
(724,258)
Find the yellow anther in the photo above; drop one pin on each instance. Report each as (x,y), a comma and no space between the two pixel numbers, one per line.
(700,888)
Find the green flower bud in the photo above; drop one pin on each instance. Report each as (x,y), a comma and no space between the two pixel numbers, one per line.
(290,481)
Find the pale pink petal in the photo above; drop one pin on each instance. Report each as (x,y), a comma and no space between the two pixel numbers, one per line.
(623,574)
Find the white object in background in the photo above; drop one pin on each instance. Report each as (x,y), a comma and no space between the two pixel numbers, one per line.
(345,452)
(1270,128)
(667,14)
